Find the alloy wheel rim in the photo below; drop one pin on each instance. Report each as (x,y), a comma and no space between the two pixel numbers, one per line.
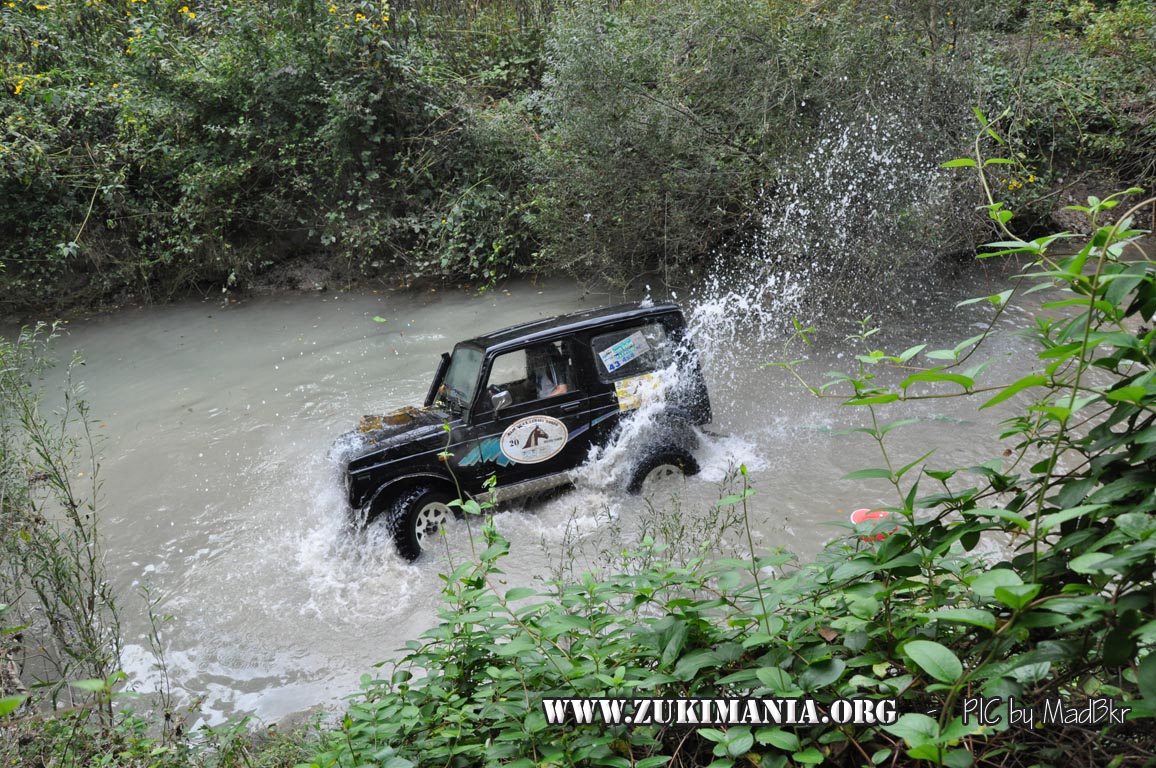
(429,520)
(662,477)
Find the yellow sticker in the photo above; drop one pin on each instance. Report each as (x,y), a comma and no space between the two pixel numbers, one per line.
(636,391)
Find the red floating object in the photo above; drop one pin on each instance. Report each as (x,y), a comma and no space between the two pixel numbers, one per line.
(864,515)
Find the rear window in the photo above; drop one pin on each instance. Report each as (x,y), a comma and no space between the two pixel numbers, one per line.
(631,351)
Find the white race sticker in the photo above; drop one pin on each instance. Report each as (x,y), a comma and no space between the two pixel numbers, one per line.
(534,439)
(621,353)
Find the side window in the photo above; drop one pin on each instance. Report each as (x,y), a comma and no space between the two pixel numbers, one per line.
(534,373)
(631,352)
(508,369)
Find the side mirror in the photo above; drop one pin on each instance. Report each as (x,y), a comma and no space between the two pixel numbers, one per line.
(500,399)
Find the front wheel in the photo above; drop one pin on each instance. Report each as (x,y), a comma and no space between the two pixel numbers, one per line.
(660,471)
(415,519)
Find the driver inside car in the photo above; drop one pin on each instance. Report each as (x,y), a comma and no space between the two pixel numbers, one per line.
(548,370)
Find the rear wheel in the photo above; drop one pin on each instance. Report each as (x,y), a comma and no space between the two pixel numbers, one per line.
(416,518)
(661,472)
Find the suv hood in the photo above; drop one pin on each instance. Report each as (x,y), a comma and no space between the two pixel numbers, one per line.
(375,433)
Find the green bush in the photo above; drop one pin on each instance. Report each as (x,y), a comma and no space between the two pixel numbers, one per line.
(66,739)
(672,129)
(1073,85)
(149,148)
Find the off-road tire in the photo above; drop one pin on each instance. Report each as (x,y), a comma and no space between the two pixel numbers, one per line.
(661,461)
(415,518)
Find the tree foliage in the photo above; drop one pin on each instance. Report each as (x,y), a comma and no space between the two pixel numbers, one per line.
(151,147)
(147,148)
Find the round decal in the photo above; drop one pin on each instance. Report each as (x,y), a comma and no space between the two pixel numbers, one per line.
(534,439)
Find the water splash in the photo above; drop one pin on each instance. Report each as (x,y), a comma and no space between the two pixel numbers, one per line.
(834,232)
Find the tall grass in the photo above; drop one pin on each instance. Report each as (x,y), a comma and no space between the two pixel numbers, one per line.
(51,555)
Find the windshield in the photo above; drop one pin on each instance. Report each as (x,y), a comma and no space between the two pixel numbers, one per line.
(462,376)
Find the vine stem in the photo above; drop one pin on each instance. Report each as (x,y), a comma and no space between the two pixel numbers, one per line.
(751,547)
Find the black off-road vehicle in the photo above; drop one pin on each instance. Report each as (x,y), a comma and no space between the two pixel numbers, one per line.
(526,404)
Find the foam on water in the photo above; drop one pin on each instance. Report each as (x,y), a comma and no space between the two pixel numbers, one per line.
(347,570)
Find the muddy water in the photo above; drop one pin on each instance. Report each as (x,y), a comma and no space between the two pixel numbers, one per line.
(222,498)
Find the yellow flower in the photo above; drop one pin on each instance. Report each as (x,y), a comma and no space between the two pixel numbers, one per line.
(183,9)
(35,43)
(41,7)
(192,15)
(332,8)
(116,85)
(359,17)
(19,88)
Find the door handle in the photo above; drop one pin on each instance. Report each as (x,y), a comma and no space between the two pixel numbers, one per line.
(571,406)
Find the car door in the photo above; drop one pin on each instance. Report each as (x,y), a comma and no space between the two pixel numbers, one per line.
(543,431)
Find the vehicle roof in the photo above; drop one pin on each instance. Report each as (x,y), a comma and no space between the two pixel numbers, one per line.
(553,327)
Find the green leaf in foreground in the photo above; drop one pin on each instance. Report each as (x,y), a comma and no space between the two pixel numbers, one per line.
(1017,596)
(935,659)
(92,686)
(914,728)
(876,473)
(1146,677)
(973,616)
(1034,380)
(9,704)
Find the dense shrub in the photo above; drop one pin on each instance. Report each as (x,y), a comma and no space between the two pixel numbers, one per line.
(149,148)
(1073,92)
(673,129)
